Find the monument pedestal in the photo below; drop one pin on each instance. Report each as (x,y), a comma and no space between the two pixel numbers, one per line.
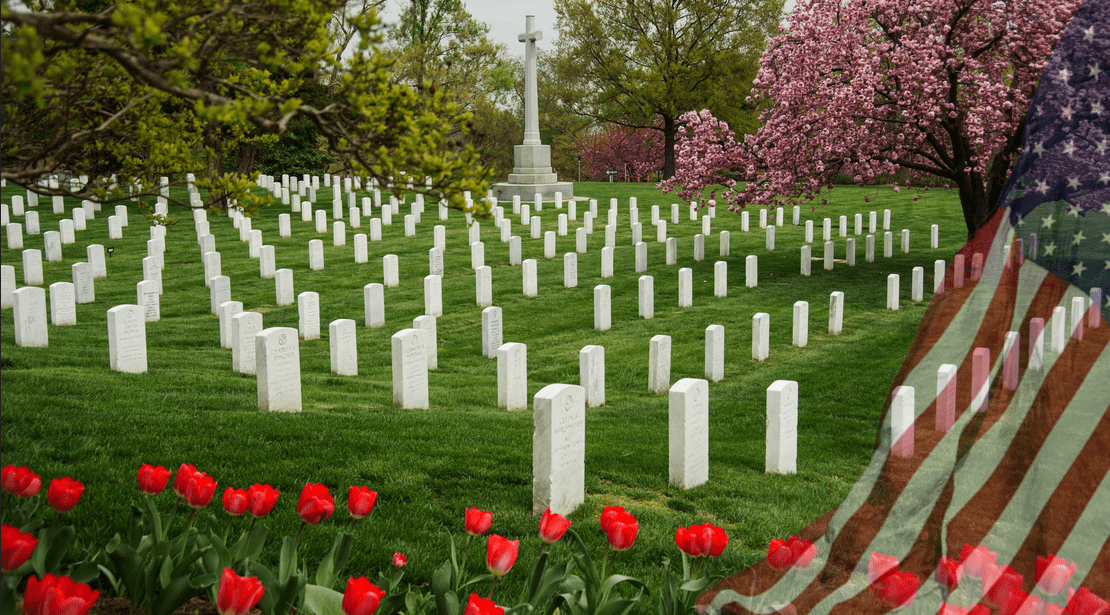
(532,175)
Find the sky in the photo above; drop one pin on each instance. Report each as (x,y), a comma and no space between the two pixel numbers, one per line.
(505,19)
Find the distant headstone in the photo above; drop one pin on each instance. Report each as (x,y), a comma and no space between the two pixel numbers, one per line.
(751,271)
(343,344)
(647,297)
(338,233)
(603,303)
(806,268)
(218,292)
(1059,329)
(809,231)
(283,287)
(277,358)
(672,251)
(826,230)
(829,256)
(859,224)
(151,270)
(390,273)
(52,242)
(902,414)
(946,397)
(127,339)
(29,316)
(83,289)
(688,433)
(94,254)
(374,305)
(226,311)
(512,376)
(31,219)
(410,369)
(869,249)
(591,372)
(66,227)
(558,449)
(699,247)
(7,285)
(491,331)
(659,364)
(761,334)
(427,324)
(641,257)
(725,239)
(892,292)
(477,255)
(850,252)
(801,324)
(15,236)
(63,310)
(266,262)
(316,254)
(872,222)
(836,313)
(308,315)
(147,296)
(888,244)
(321,221)
(284,226)
(714,353)
(254,243)
(770,238)
(685,287)
(720,279)
(1036,344)
(782,428)
(958,269)
(570,270)
(1078,316)
(917,287)
(980,378)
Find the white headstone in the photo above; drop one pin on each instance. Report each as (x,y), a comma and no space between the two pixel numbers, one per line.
(277,359)
(94,254)
(699,247)
(751,271)
(886,219)
(491,331)
(570,270)
(762,218)
(316,254)
(514,250)
(266,266)
(254,243)
(869,248)
(321,221)
(1078,316)
(15,236)
(806,257)
(603,305)
(207,243)
(770,238)
(688,433)
(859,224)
(720,279)
(410,369)
(829,255)
(1059,329)
(477,255)
(782,428)
(836,313)
(801,323)
(151,270)
(659,364)
(308,315)
(934,236)
(591,372)
(685,287)
(63,309)
(647,297)
(946,397)
(7,285)
(611,235)
(285,228)
(902,414)
(850,252)
(31,219)
(218,292)
(888,244)
(29,316)
(375,229)
(127,339)
(549,244)
(672,251)
(283,287)
(892,292)
(529,277)
(483,286)
(80,222)
(559,449)
(52,242)
(83,289)
(226,311)
(148,297)
(512,376)
(338,233)
(761,334)
(980,378)
(715,353)
(343,344)
(580,240)
(917,288)
(1036,344)
(607,262)
(809,231)
(535,227)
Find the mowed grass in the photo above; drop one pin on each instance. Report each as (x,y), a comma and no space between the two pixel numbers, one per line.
(66,414)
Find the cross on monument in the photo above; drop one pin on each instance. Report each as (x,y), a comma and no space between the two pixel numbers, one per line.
(531,97)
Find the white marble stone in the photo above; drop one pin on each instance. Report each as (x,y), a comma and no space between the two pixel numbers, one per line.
(902,415)
(514,251)
(491,331)
(266,260)
(435,261)
(316,254)
(427,324)
(580,240)
(63,308)
(715,353)
(558,449)
(147,294)
(946,397)
(869,249)
(829,256)
(647,297)
(770,244)
(762,218)
(836,313)
(362,255)
(888,244)
(934,236)
(1059,325)
(338,233)
(591,372)
(52,246)
(685,287)
(659,364)
(570,270)
(207,243)
(483,286)
(15,235)
(277,360)
(980,378)
(1036,344)
(850,252)
(375,229)
(892,292)
(801,324)
(308,315)
(390,273)
(512,376)
(433,295)
(283,287)
(127,339)
(886,219)
(603,306)
(809,231)
(83,289)
(218,292)
(151,270)
(343,344)
(410,369)
(285,228)
(373,299)
(535,227)
(959,267)
(31,221)
(917,288)
(607,262)
(637,233)
(751,271)
(7,285)
(528,272)
(549,244)
(94,254)
(29,316)
(699,247)
(782,428)
(688,433)
(859,224)
(226,311)
(761,334)
(477,255)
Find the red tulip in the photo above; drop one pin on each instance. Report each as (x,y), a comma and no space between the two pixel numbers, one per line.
(1017,602)
(57,595)
(501,554)
(1085,602)
(477,521)
(316,504)
(64,493)
(181,481)
(235,501)
(687,541)
(880,565)
(15,547)
(237,594)
(482,606)
(362,597)
(1053,574)
(552,527)
(976,560)
(998,582)
(803,551)
(979,609)
(399,560)
(779,555)
(898,589)
(261,500)
(951,609)
(199,490)
(152,480)
(360,501)
(620,528)
(20,481)
(948,573)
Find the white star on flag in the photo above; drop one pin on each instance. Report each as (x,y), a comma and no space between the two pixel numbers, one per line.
(1047,222)
(1073,210)
(1078,239)
(1050,249)
(1078,269)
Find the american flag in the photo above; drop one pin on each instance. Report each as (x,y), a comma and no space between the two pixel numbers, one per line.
(1028,476)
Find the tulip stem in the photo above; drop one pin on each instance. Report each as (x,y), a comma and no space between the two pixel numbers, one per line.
(352,528)
(462,566)
(605,561)
(491,586)
(297,540)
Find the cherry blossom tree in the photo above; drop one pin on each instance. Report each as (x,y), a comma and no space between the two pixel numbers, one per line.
(637,151)
(867,87)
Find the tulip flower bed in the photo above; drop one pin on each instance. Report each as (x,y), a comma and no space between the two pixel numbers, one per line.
(66,415)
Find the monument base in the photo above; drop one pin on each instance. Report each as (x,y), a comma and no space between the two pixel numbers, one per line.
(505,191)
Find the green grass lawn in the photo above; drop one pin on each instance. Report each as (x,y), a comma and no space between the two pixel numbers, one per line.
(66,413)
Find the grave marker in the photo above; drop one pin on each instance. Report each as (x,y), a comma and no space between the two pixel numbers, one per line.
(127,339)
(751,271)
(344,347)
(980,378)
(52,241)
(685,287)
(147,297)
(1059,329)
(809,231)
(477,255)
(591,373)
(659,364)
(362,255)
(688,433)
(801,324)
(433,295)
(15,236)
(917,288)
(607,262)
(647,297)
(1036,344)
(218,292)
(869,249)
(512,376)
(558,449)
(491,331)
(761,334)
(7,285)
(31,219)
(514,251)
(266,266)
(283,287)
(427,324)
(806,265)
(770,238)
(529,277)
(373,299)
(226,311)
(603,304)
(83,289)
(278,366)
(720,279)
(672,251)
(715,353)
(725,241)
(699,247)
(782,428)
(902,414)
(958,269)
(308,315)
(63,309)
(390,274)
(570,270)
(29,316)
(829,255)
(410,369)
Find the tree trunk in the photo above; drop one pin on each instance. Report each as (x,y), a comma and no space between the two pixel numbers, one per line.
(214,145)
(977,208)
(670,127)
(246,158)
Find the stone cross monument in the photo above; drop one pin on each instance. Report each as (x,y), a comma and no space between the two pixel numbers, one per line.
(532,172)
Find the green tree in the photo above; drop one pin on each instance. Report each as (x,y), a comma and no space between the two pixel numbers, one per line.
(643,63)
(166,87)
